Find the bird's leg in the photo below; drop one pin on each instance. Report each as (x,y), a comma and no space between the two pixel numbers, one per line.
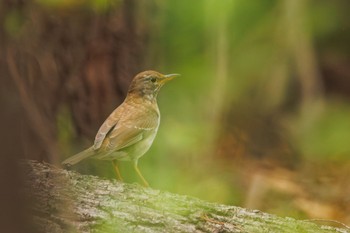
(116,169)
(145,183)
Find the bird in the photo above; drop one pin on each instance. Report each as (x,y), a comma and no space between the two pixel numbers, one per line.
(129,131)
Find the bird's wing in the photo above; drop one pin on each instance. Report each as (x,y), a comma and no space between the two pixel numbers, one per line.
(132,127)
(107,126)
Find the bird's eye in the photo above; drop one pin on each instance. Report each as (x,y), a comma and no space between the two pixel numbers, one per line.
(153,79)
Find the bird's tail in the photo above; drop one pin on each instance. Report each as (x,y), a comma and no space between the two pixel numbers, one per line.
(78,157)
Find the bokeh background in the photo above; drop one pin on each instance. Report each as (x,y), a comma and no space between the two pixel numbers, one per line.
(260,117)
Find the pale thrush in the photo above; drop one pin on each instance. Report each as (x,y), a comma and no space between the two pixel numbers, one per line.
(130,129)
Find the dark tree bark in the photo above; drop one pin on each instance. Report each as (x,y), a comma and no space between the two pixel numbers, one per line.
(75,62)
(65,201)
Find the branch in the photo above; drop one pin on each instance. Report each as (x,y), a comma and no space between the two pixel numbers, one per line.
(66,201)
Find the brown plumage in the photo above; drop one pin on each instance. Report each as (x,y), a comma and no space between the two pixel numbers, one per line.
(130,129)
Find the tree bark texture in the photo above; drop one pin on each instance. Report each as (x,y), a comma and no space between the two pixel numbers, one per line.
(65,201)
(74,65)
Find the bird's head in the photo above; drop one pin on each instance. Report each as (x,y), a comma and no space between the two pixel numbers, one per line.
(148,83)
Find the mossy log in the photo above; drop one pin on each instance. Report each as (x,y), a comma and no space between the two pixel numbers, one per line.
(65,201)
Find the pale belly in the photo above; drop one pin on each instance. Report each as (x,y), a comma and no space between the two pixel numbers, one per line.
(133,152)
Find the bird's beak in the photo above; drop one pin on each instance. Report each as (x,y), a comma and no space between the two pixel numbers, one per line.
(169,77)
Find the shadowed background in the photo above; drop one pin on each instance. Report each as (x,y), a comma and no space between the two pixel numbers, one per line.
(259,117)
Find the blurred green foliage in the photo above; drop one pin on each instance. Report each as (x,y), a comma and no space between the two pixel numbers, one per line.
(326,137)
(95,5)
(260,71)
(13,22)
